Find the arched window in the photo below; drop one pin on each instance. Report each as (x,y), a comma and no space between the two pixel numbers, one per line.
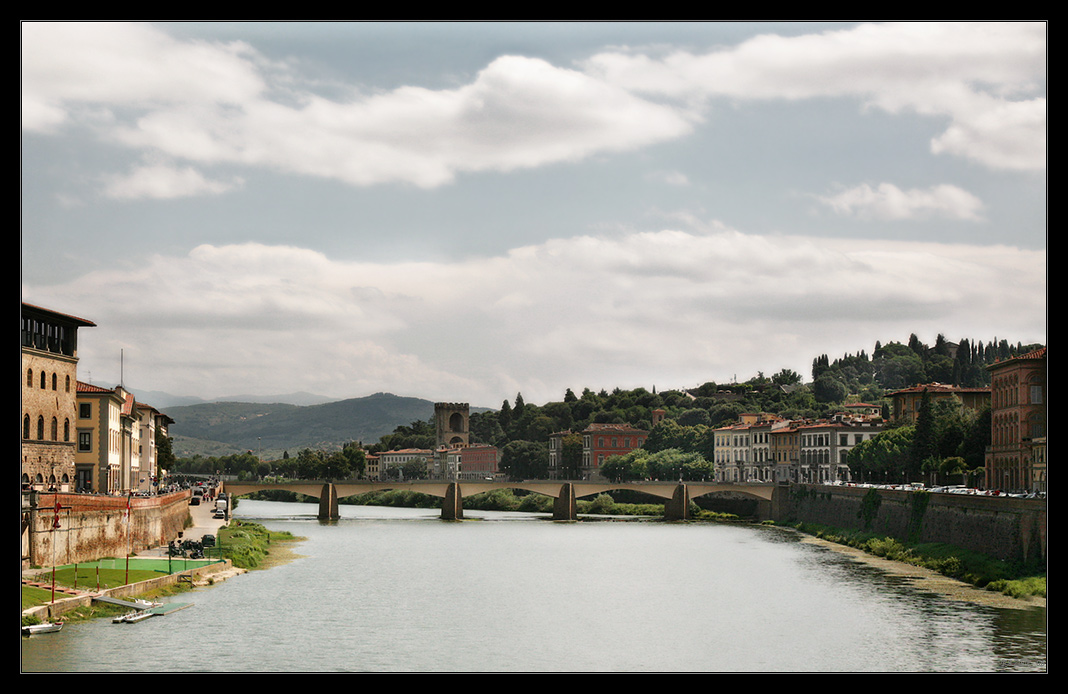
(66,429)
(29,378)
(40,428)
(55,429)
(44,384)
(68,384)
(55,382)
(26,427)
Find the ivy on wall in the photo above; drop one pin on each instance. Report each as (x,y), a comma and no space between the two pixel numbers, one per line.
(869,507)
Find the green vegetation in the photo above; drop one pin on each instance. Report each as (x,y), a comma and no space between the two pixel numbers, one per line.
(1015,579)
(399,498)
(33,596)
(247,545)
(89,576)
(946,445)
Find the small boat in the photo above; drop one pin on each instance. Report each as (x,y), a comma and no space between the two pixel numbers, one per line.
(45,628)
(131,617)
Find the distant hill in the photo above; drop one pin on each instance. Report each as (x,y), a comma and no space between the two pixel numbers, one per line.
(221,428)
(165,401)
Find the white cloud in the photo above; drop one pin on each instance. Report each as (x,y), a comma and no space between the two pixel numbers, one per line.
(986,77)
(667,307)
(208,103)
(888,202)
(214,103)
(161,182)
(67,66)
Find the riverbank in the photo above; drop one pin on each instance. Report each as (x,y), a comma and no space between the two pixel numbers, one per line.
(929,580)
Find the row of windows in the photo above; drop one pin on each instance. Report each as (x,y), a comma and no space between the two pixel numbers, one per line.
(44,381)
(85,438)
(26,428)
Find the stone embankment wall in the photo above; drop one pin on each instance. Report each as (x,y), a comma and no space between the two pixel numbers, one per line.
(94,526)
(1004,528)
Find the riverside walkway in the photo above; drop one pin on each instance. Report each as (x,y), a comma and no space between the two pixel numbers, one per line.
(676,495)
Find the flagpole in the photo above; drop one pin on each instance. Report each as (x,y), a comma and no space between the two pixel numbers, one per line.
(128,540)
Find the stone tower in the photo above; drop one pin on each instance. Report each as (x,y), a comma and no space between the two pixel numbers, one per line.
(451,421)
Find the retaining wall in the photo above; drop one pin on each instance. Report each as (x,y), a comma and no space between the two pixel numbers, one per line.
(92,526)
(1004,528)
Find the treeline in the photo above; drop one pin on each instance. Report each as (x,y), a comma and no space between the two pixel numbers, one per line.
(349,462)
(896,365)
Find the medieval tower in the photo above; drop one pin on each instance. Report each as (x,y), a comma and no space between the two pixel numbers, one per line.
(451,421)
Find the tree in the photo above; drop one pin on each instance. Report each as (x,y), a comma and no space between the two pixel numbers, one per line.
(335,466)
(883,457)
(828,388)
(522,460)
(786,377)
(356,458)
(924,441)
(165,459)
(571,457)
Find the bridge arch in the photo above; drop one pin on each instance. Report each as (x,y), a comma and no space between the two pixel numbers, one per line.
(677,495)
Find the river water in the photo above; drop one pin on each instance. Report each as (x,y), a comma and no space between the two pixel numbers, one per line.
(398,590)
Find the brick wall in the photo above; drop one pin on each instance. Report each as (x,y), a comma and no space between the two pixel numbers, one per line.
(95,526)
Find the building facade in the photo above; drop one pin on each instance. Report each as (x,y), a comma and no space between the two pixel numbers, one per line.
(49,385)
(601,441)
(1016,459)
(905,403)
(109,439)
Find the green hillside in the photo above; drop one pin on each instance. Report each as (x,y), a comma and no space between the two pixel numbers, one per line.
(222,428)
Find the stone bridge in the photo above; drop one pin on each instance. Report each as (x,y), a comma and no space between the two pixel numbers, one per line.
(676,495)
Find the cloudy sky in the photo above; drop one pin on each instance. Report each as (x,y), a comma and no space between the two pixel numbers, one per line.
(467,211)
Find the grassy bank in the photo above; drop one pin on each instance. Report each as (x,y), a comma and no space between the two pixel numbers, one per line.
(1010,578)
(249,545)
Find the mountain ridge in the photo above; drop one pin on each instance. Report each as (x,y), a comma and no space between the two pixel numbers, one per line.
(223,427)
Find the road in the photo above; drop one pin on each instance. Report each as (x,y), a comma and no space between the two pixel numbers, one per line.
(203,524)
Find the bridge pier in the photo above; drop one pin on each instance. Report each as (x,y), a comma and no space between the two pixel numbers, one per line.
(328,503)
(452,506)
(678,508)
(565,507)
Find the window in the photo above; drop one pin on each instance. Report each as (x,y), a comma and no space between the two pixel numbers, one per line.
(1036,395)
(29,378)
(85,410)
(85,441)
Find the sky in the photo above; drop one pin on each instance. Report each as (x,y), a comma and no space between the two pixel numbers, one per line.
(467,211)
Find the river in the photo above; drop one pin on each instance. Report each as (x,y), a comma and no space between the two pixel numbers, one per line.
(398,590)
